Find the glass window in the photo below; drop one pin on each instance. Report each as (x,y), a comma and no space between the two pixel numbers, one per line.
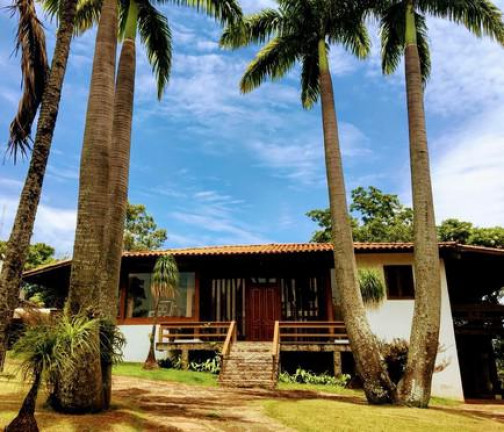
(139,302)
(399,280)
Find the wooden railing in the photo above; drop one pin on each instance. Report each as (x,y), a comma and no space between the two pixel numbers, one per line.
(194,332)
(309,332)
(230,339)
(276,340)
(478,318)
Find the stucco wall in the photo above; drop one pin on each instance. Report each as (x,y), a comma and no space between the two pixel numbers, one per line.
(393,320)
(137,342)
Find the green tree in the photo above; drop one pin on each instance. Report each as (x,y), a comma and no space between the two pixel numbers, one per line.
(302,31)
(22,230)
(377,217)
(466,233)
(141,231)
(38,254)
(404,31)
(165,282)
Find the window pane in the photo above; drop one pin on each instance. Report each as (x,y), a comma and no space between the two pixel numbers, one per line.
(399,280)
(139,303)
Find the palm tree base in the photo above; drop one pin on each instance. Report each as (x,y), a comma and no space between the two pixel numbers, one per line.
(150,365)
(24,422)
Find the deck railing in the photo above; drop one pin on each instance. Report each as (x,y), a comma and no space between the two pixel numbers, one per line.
(309,332)
(231,337)
(194,332)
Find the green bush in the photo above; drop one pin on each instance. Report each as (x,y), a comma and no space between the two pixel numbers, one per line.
(302,376)
(371,286)
(211,365)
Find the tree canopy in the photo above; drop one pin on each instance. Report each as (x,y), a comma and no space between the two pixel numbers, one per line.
(381,217)
(38,254)
(141,231)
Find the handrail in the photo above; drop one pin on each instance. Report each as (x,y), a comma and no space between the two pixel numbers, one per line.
(209,331)
(276,340)
(309,332)
(230,338)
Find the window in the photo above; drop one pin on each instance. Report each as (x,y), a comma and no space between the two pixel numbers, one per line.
(399,280)
(139,302)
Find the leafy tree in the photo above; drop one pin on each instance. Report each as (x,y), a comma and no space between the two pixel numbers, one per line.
(404,32)
(377,217)
(302,31)
(141,231)
(38,254)
(22,230)
(466,233)
(165,282)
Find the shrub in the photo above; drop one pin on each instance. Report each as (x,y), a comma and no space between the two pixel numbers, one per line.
(211,365)
(303,376)
(371,286)
(395,355)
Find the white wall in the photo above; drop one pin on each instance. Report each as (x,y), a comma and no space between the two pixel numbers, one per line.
(137,342)
(393,320)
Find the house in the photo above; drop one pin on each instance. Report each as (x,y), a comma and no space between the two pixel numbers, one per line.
(282,300)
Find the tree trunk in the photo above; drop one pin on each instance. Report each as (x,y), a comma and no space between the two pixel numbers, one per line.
(118,180)
(150,362)
(19,240)
(415,388)
(25,420)
(83,392)
(378,387)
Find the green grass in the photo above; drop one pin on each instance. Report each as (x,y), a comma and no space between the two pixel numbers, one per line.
(319,388)
(174,375)
(331,416)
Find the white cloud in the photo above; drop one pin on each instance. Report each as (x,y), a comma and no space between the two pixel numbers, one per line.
(468,173)
(53,225)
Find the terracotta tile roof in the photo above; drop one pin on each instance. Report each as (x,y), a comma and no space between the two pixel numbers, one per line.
(280,248)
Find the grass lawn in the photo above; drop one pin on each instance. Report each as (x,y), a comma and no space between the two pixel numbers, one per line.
(331,416)
(185,377)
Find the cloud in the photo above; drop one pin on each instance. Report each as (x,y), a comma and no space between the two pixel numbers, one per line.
(53,225)
(468,171)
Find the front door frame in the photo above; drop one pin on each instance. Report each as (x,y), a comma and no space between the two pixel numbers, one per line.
(266,333)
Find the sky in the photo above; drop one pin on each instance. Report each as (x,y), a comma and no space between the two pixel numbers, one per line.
(214,166)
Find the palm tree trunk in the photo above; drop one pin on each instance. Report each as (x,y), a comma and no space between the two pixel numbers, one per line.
(377,385)
(415,387)
(119,174)
(25,420)
(83,392)
(150,362)
(19,240)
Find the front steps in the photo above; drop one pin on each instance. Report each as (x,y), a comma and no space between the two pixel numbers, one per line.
(249,365)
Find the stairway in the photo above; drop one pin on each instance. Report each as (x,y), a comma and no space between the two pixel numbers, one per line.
(249,365)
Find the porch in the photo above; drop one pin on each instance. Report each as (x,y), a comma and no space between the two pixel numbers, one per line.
(288,336)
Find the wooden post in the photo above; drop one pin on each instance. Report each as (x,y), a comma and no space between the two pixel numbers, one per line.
(337,363)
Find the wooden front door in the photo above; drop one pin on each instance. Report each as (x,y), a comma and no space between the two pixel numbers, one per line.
(263,309)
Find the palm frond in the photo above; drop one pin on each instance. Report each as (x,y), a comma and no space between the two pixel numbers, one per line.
(423,47)
(256,28)
(155,34)
(225,11)
(353,36)
(310,86)
(273,61)
(30,40)
(87,15)
(481,17)
(53,7)
(165,279)
(392,31)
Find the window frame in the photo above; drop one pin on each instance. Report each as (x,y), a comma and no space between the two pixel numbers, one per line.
(400,292)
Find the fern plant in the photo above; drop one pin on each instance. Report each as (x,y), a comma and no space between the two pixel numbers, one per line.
(372,287)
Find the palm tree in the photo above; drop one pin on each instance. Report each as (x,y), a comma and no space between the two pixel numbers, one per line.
(19,240)
(404,30)
(302,31)
(105,161)
(46,349)
(165,282)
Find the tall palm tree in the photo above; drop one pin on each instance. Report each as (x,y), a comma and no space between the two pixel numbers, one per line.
(404,30)
(164,284)
(303,31)
(105,159)
(22,230)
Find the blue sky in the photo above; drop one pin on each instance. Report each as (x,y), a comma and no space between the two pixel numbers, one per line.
(217,167)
